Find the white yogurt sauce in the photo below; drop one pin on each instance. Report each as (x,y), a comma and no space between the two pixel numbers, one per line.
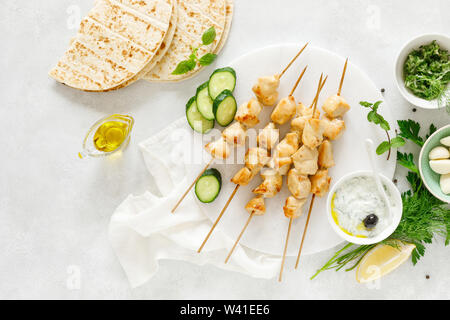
(354,200)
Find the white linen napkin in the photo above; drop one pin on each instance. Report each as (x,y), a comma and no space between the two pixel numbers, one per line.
(143,231)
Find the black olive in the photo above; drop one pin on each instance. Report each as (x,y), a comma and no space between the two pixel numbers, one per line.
(370,221)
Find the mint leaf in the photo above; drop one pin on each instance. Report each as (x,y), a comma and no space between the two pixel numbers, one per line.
(372,117)
(184,67)
(383,147)
(376,105)
(384,124)
(207,59)
(365,104)
(397,142)
(209,36)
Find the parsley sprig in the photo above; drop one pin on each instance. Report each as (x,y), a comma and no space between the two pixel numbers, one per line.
(424,216)
(185,66)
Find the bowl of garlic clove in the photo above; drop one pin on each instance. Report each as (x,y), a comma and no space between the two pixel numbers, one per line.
(434,164)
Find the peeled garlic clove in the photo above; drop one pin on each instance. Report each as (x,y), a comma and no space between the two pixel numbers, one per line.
(439,153)
(440,166)
(445,183)
(446,141)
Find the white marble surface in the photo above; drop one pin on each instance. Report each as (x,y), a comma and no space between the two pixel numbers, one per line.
(55,208)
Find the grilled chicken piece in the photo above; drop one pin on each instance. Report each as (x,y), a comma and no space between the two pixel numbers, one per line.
(266,89)
(293,207)
(303,115)
(320,182)
(334,128)
(313,133)
(281,165)
(248,113)
(283,151)
(235,134)
(335,106)
(268,136)
(298,184)
(305,160)
(287,146)
(256,158)
(256,206)
(271,185)
(284,111)
(326,155)
(242,177)
(304,111)
(219,148)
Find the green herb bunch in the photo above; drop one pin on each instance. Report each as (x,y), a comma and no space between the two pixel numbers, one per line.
(424,216)
(427,71)
(185,66)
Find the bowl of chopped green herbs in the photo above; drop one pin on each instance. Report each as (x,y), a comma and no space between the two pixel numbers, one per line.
(422,71)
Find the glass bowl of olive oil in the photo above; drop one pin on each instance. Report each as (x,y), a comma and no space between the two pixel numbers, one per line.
(107,136)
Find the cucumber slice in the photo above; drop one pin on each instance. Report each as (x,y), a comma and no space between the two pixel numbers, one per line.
(204,102)
(195,118)
(221,79)
(225,108)
(208,186)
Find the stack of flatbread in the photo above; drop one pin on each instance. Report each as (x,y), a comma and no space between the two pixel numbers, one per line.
(122,41)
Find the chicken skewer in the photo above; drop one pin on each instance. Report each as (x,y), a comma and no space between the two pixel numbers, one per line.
(334,106)
(266,90)
(252,166)
(300,189)
(273,181)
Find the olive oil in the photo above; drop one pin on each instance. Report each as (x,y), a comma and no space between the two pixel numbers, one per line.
(110,135)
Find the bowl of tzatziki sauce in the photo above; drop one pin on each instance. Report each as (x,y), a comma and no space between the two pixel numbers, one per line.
(357,212)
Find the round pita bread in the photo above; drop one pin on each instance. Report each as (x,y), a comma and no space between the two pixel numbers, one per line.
(161,52)
(194,18)
(230,12)
(115,42)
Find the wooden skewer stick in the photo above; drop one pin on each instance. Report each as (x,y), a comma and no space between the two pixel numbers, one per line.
(192,185)
(342,77)
(285,249)
(304,232)
(319,90)
(218,218)
(298,81)
(314,196)
(316,98)
(293,60)
(239,238)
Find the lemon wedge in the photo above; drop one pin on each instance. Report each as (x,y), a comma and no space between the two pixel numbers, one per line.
(381,260)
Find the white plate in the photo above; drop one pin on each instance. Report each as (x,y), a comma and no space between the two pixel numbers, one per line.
(267,233)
